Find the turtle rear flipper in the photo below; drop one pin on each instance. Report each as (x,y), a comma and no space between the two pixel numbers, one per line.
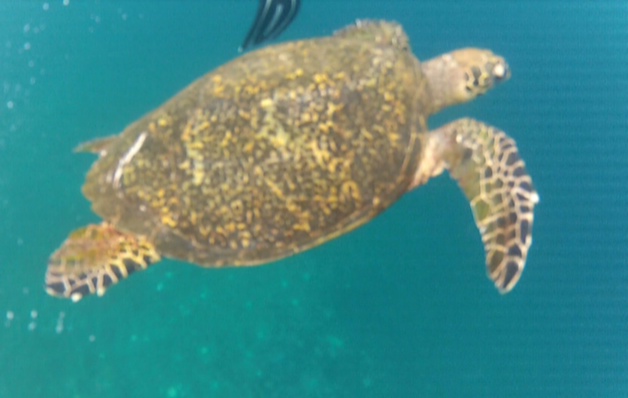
(95,257)
(486,164)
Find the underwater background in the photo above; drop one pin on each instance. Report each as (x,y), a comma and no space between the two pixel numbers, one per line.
(399,308)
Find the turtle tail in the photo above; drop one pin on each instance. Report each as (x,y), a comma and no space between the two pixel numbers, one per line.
(95,257)
(486,164)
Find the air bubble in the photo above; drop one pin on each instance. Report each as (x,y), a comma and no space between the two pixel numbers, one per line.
(59,327)
(46,6)
(10,316)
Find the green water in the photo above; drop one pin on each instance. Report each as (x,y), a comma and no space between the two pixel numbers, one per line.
(399,308)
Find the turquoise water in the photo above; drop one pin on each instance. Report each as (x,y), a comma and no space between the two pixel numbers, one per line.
(399,308)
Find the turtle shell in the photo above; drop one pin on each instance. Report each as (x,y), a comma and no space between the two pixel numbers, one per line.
(275,152)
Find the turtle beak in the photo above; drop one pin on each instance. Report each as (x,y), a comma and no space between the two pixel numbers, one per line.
(480,70)
(500,70)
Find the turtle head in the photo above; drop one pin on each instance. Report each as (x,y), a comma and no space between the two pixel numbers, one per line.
(462,75)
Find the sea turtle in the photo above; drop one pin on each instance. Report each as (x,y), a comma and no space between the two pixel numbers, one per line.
(290,146)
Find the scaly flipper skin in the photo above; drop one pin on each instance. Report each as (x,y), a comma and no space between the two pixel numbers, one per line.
(486,164)
(93,258)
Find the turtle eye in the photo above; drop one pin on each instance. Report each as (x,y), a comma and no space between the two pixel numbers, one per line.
(478,80)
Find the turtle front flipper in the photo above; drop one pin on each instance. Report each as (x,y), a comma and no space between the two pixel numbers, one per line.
(95,257)
(488,168)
